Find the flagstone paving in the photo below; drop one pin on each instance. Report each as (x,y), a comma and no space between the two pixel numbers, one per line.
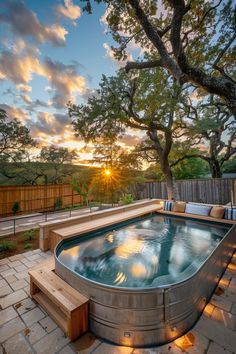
(26,328)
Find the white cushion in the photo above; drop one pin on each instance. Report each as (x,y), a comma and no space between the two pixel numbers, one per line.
(203,210)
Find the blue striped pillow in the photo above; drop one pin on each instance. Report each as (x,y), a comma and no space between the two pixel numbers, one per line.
(230,213)
(168,205)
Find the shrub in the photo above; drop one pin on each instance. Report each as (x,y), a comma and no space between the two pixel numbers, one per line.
(6,246)
(28,246)
(15,208)
(126,199)
(29,235)
(58,203)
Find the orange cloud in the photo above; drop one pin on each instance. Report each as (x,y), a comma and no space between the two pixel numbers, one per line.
(17,113)
(24,88)
(63,79)
(71,11)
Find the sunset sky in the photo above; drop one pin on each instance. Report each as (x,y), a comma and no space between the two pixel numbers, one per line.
(51,52)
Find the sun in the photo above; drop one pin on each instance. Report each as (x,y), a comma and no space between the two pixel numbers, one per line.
(107,172)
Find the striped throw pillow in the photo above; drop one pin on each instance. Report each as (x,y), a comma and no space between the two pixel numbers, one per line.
(230,213)
(168,205)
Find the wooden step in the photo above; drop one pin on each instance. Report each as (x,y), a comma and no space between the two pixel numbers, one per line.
(52,310)
(67,307)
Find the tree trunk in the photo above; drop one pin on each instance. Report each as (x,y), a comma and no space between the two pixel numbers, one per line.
(169,185)
(168,178)
(215,169)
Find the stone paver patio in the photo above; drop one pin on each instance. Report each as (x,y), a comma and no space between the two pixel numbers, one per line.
(26,328)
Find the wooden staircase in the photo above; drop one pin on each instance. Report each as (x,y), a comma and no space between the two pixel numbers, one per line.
(66,306)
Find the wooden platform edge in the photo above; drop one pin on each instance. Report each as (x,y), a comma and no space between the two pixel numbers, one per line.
(196,216)
(74,321)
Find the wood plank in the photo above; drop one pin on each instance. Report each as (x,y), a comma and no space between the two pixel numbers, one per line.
(72,295)
(58,290)
(79,322)
(53,311)
(93,225)
(49,291)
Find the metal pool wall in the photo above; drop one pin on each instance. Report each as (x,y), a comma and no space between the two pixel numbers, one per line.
(152,316)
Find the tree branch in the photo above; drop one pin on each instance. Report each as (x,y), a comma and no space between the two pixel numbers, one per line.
(223,51)
(143,65)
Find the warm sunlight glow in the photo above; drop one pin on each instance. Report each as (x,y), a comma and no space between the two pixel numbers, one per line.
(208,309)
(232,266)
(128,248)
(107,172)
(138,270)
(185,341)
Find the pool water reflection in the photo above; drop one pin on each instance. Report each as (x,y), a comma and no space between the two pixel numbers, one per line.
(153,251)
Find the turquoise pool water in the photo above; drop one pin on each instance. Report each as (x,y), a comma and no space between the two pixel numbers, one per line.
(148,252)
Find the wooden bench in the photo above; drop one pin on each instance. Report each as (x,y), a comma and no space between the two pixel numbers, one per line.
(66,306)
(94,225)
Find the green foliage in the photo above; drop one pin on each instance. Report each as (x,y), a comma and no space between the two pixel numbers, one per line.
(58,203)
(15,208)
(29,235)
(28,246)
(153,173)
(57,155)
(83,189)
(194,41)
(14,138)
(191,168)
(37,173)
(6,246)
(213,125)
(126,199)
(230,166)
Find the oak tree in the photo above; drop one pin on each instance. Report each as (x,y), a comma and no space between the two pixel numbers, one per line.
(149,102)
(194,41)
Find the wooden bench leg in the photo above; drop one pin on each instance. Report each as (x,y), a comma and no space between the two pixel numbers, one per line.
(78,323)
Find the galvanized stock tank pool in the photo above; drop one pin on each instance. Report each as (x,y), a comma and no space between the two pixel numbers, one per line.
(148,279)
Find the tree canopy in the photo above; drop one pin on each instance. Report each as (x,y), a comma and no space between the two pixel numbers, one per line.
(148,102)
(14,137)
(212,127)
(194,41)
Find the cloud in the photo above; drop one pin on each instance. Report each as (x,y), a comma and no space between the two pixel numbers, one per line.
(71,11)
(63,79)
(35,104)
(47,123)
(19,46)
(24,22)
(24,88)
(18,69)
(17,113)
(54,129)
(130,140)
(26,98)
(110,55)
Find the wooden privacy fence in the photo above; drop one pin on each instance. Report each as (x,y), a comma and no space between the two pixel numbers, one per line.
(37,198)
(212,191)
